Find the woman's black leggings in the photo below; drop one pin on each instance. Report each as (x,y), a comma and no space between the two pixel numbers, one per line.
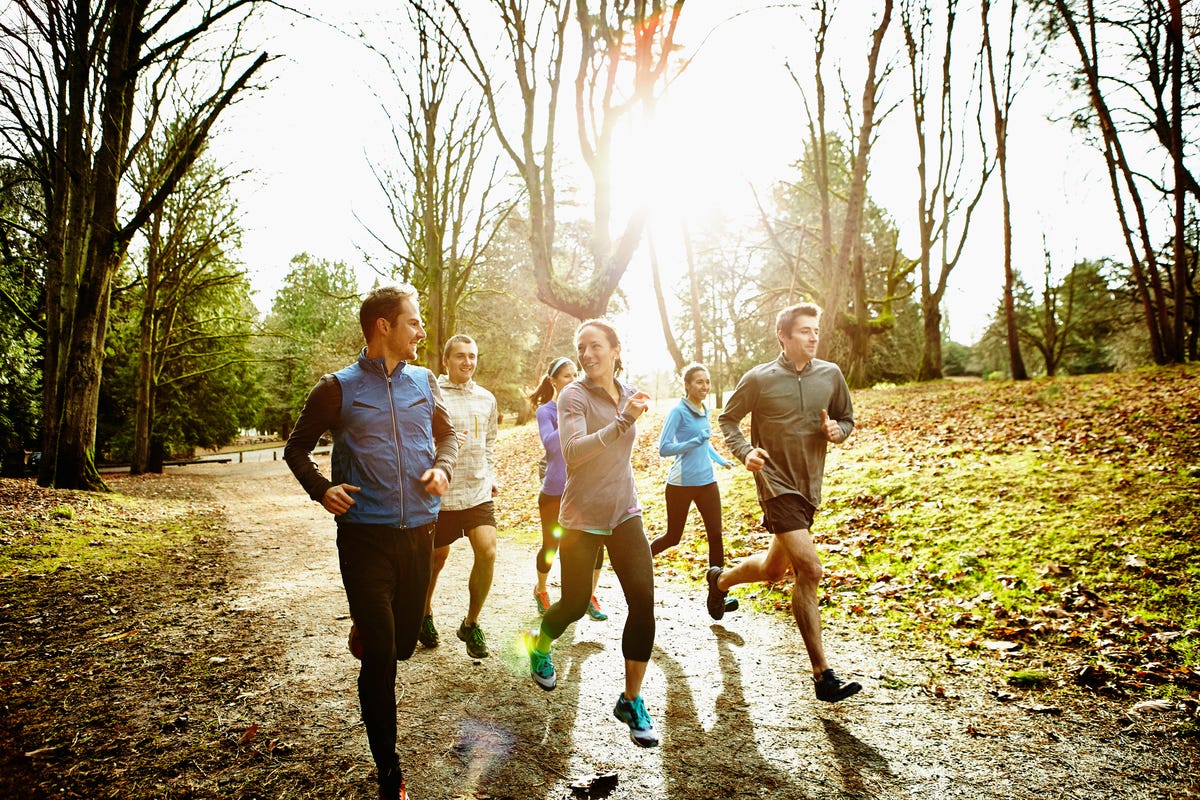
(629,554)
(679,501)
(548,505)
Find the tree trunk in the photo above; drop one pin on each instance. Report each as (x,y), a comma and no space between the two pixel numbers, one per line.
(144,377)
(852,227)
(664,319)
(931,353)
(1144,265)
(1180,284)
(75,466)
(694,293)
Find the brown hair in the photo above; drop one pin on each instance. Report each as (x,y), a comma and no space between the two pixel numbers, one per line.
(384,302)
(786,319)
(690,370)
(610,333)
(545,389)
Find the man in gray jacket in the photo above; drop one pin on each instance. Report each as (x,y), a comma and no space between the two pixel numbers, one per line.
(797,405)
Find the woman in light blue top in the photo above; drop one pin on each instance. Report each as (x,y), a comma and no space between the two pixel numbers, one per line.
(686,436)
(544,399)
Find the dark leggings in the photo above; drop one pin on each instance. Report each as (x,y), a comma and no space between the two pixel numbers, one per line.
(386,574)
(548,506)
(679,500)
(629,554)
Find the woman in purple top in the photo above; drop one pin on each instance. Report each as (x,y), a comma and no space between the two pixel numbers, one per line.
(561,372)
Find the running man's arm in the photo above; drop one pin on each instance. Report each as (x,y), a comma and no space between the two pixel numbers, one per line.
(489,445)
(321,412)
(739,404)
(841,409)
(445,440)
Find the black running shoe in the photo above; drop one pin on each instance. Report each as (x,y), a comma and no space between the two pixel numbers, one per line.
(831,688)
(716,598)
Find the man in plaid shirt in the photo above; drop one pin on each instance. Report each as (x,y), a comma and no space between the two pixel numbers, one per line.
(467,507)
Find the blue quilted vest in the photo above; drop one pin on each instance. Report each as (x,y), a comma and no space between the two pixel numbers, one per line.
(384,443)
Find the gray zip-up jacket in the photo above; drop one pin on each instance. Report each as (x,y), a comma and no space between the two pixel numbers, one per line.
(597,440)
(785,420)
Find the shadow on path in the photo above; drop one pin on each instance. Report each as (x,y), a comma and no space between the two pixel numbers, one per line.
(724,761)
(494,743)
(863,771)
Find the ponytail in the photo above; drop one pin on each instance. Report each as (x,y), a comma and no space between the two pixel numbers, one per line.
(543,392)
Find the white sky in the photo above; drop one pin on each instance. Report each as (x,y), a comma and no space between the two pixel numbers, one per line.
(733,120)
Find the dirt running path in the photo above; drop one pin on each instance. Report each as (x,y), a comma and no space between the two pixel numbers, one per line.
(732,700)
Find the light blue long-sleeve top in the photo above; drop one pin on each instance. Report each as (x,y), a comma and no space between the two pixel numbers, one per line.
(687,436)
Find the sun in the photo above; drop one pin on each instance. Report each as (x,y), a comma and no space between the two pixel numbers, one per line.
(671,168)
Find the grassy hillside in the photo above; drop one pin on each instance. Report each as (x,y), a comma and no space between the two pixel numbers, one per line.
(1050,527)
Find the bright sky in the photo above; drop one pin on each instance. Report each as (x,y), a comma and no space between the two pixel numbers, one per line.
(732,121)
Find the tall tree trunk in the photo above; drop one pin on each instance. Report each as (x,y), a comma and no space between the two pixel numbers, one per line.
(1180,285)
(1144,264)
(67,212)
(664,318)
(75,457)
(694,295)
(849,254)
(1015,362)
(145,376)
(1000,111)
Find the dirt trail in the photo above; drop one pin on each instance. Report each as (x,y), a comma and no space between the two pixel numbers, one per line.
(732,700)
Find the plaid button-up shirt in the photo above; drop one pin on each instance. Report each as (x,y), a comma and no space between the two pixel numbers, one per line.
(473,411)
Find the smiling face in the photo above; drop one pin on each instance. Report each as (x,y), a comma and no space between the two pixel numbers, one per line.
(697,386)
(401,336)
(800,344)
(461,361)
(597,354)
(566,373)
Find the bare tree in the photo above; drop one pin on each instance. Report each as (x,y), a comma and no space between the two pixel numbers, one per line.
(1150,36)
(71,75)
(441,197)
(1003,92)
(837,170)
(535,41)
(943,220)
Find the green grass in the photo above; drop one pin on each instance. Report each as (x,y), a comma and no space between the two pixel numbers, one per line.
(107,534)
(1028,679)
(1060,514)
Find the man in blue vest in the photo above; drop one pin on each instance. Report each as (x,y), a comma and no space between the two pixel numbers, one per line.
(394,450)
